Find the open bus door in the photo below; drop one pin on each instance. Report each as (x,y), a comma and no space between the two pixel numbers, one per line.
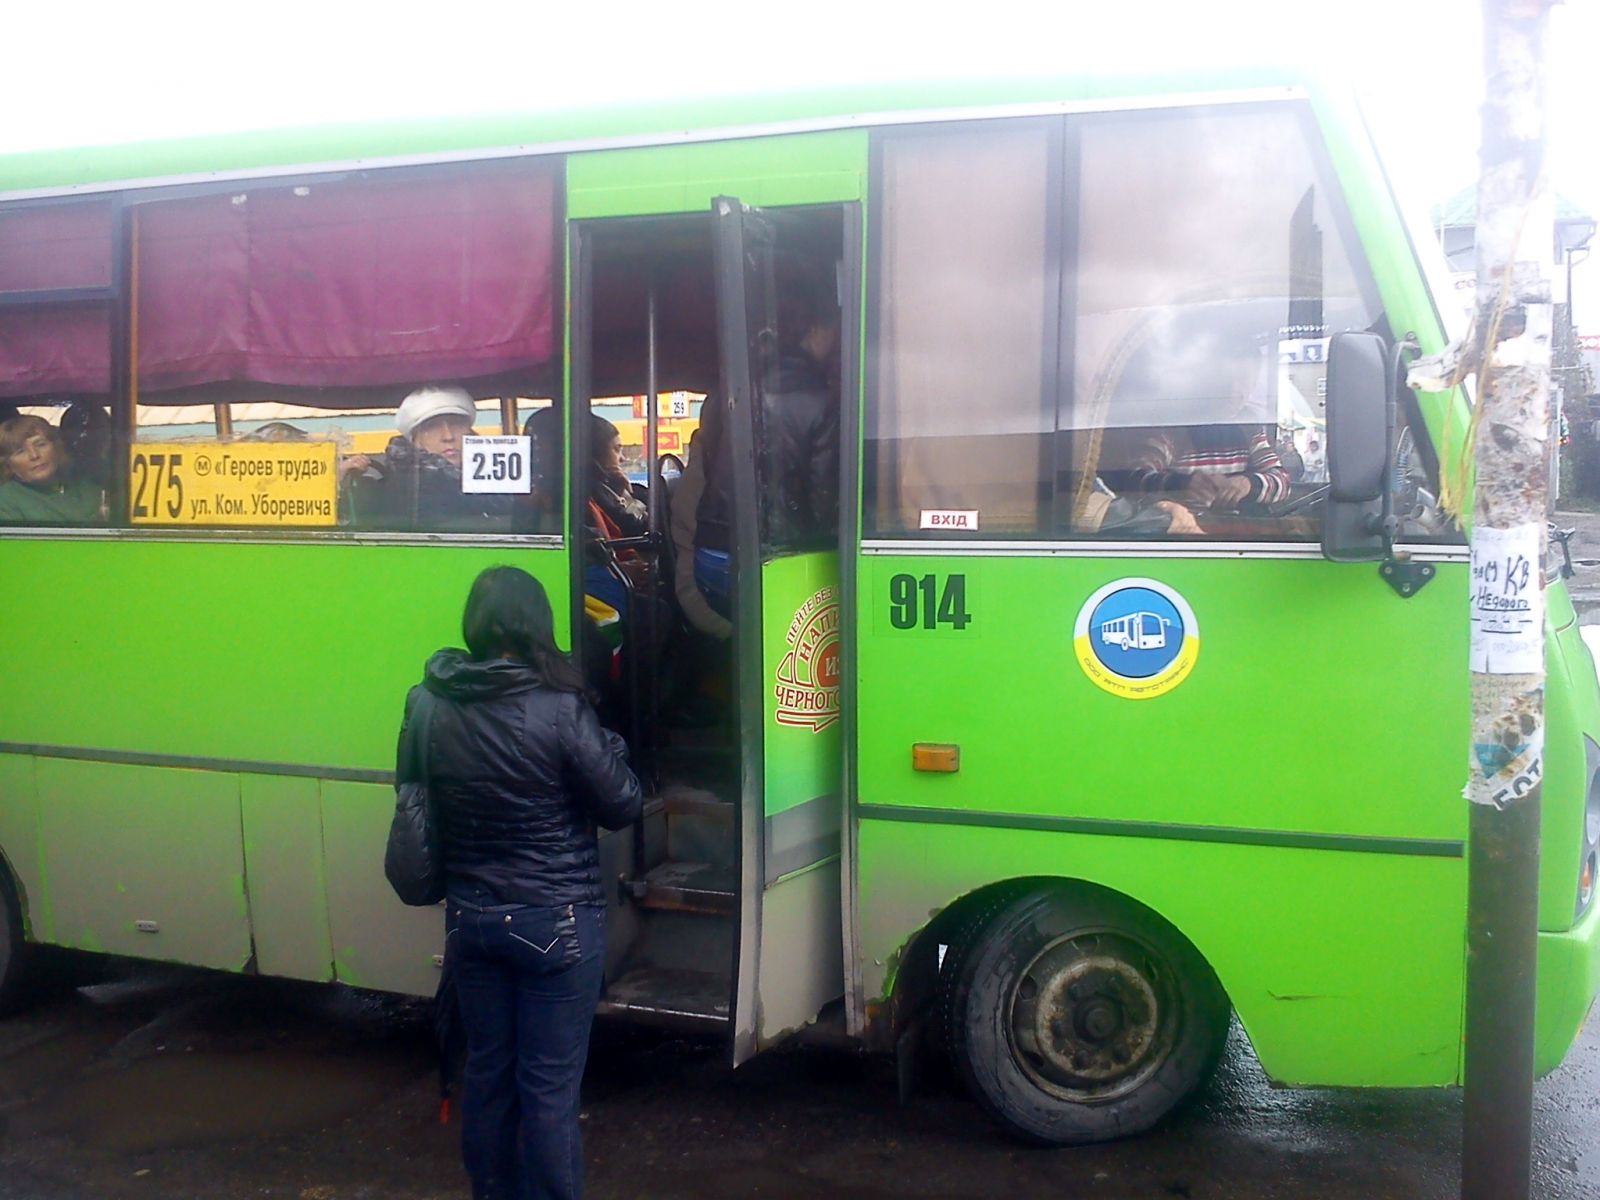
(788,956)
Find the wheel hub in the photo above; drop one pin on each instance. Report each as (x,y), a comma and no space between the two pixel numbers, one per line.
(1090,1021)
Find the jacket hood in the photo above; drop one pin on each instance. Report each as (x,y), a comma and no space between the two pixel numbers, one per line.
(456,675)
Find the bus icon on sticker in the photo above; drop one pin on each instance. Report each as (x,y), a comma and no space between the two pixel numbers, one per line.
(1136,638)
(1136,631)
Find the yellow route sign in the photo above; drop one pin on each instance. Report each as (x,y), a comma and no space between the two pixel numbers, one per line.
(233,483)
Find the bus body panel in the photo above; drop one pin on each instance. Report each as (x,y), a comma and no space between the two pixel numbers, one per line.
(1568,978)
(818,168)
(19,841)
(1300,717)
(1572,759)
(800,674)
(251,656)
(715,119)
(800,962)
(260,653)
(1344,968)
(174,890)
(1301,713)
(377,942)
(285,876)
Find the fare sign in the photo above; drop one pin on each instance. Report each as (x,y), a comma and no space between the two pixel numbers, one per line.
(497,465)
(289,484)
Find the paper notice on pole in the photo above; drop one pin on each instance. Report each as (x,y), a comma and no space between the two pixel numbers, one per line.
(1507,601)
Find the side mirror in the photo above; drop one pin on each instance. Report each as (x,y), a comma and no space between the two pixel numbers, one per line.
(1361,406)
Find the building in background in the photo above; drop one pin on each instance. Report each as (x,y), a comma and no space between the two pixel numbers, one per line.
(1574,359)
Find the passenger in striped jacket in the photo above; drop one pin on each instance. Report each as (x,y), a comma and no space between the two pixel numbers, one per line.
(1209,467)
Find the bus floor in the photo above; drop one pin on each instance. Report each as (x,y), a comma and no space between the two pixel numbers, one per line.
(673,913)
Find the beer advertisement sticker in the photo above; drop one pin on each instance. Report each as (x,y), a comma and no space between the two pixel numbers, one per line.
(807,685)
(1136,638)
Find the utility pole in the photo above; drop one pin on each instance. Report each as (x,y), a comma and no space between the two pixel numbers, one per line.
(1509,350)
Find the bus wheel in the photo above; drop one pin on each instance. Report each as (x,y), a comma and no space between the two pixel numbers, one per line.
(13,949)
(1076,1016)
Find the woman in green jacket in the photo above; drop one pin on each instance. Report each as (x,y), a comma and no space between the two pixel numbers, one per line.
(35,486)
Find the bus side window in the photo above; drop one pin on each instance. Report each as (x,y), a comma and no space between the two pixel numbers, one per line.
(377,321)
(1130,333)
(55,362)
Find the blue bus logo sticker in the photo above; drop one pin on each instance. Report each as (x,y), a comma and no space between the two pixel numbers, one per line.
(1136,638)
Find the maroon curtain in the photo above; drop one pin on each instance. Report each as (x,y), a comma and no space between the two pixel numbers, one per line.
(352,283)
(59,348)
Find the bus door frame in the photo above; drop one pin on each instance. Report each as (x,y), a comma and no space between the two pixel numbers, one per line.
(642,708)
(757,1020)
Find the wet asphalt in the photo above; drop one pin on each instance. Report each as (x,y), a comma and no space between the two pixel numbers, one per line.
(179,1083)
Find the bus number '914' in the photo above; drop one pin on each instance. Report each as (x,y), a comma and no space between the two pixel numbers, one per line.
(921,601)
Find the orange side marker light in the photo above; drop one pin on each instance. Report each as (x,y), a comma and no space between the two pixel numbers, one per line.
(935,756)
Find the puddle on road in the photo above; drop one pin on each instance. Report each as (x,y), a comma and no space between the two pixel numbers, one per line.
(186,1099)
(59,1053)
(168,1058)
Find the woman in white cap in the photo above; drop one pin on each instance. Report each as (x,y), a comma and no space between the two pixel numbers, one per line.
(416,483)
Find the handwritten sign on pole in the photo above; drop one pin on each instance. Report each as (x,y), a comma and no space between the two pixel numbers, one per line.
(1507,601)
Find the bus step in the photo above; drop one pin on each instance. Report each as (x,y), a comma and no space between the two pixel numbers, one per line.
(686,887)
(673,999)
(681,800)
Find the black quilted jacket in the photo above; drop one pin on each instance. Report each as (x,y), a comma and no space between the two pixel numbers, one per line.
(521,774)
(799,466)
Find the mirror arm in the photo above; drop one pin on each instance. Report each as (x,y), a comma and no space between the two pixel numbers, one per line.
(1389,524)
(1406,577)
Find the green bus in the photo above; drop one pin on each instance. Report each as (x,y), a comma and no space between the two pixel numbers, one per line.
(955,775)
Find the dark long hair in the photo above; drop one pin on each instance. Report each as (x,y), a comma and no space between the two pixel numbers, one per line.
(508,616)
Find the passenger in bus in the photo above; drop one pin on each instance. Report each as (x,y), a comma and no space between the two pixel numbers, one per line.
(1219,467)
(617,580)
(610,490)
(699,664)
(692,602)
(1100,510)
(544,501)
(797,434)
(86,435)
(612,512)
(1226,464)
(416,482)
(37,486)
(277,431)
(521,773)
(800,410)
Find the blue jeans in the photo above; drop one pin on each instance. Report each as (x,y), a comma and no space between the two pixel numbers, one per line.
(528,980)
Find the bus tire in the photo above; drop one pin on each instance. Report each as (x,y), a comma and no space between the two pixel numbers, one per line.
(14,949)
(1075,1016)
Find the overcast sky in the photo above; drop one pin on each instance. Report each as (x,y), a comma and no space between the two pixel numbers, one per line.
(79,75)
